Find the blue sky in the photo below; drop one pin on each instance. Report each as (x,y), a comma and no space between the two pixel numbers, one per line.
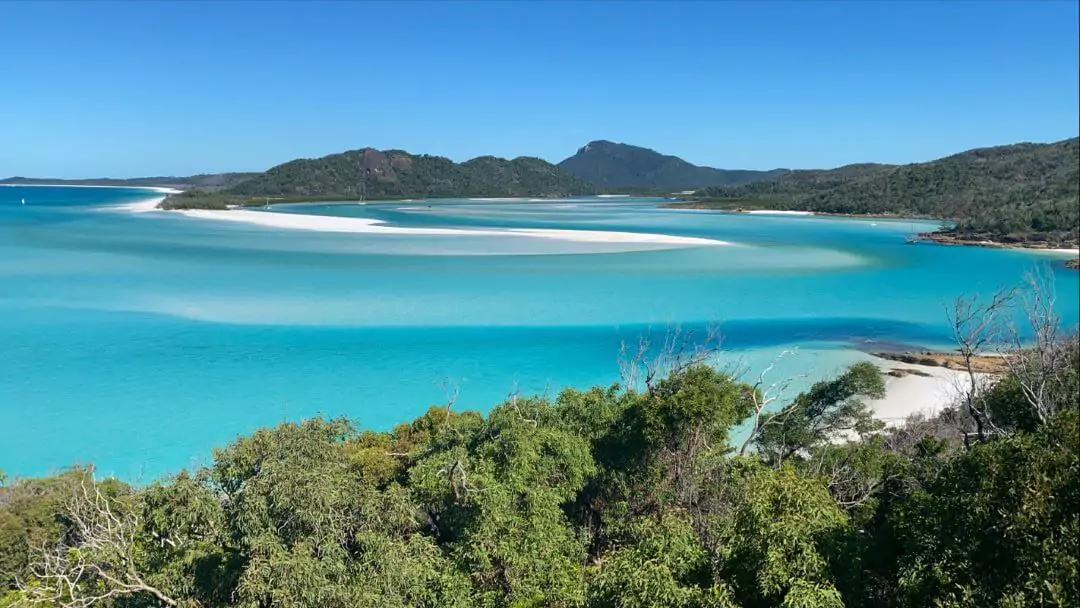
(148,88)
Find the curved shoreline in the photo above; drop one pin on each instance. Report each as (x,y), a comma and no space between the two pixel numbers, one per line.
(325,223)
(935,237)
(949,240)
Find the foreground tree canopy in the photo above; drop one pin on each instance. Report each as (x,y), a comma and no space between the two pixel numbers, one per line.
(602,498)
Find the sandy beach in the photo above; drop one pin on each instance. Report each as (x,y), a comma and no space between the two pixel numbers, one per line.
(777,212)
(323,223)
(150,204)
(1059,250)
(923,390)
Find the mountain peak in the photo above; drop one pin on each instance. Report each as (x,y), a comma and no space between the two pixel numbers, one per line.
(597,145)
(618,165)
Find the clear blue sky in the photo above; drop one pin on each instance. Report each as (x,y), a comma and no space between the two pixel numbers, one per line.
(147,88)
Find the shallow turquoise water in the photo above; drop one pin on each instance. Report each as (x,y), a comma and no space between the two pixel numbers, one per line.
(140,341)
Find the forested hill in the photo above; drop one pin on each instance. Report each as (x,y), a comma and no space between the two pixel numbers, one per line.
(205,181)
(373,173)
(1018,191)
(614,166)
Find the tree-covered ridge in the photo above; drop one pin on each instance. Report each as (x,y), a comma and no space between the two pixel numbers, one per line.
(1020,191)
(609,497)
(610,165)
(396,173)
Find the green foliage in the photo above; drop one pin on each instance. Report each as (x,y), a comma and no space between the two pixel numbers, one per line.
(611,165)
(661,563)
(1008,406)
(395,173)
(999,525)
(12,599)
(30,517)
(768,532)
(605,498)
(1051,375)
(311,533)
(184,540)
(1017,192)
(496,495)
(817,416)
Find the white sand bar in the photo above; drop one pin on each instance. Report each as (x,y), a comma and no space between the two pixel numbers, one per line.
(776,212)
(160,189)
(324,223)
(1053,251)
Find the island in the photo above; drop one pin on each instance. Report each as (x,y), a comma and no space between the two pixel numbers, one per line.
(1019,195)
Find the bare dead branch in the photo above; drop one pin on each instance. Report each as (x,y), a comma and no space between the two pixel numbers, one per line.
(95,560)
(977,325)
(1038,362)
(762,396)
(680,350)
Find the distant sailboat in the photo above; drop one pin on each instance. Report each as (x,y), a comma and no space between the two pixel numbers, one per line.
(913,237)
(24,201)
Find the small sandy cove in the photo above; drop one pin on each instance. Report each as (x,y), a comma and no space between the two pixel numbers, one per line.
(919,389)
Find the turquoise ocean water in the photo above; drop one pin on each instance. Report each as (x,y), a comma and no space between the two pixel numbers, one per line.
(139,341)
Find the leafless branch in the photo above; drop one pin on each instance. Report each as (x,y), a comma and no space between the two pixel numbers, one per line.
(977,325)
(1038,362)
(680,350)
(95,560)
(762,396)
(450,389)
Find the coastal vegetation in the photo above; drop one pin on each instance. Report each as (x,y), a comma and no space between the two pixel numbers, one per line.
(640,494)
(377,174)
(609,165)
(1017,194)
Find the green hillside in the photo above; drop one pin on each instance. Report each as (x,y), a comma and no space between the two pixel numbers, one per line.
(395,173)
(1017,192)
(619,166)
